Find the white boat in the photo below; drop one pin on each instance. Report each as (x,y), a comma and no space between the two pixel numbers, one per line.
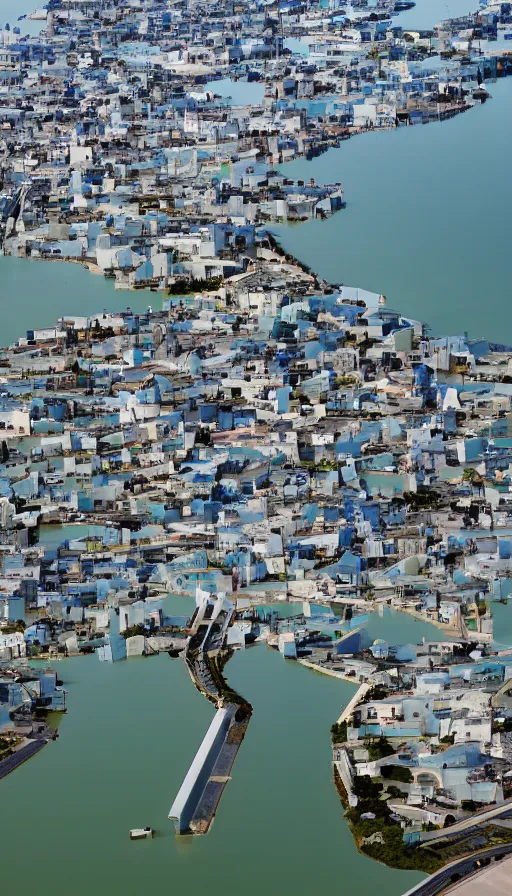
(141,833)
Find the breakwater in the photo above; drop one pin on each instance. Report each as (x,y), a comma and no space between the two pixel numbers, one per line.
(199,795)
(205,656)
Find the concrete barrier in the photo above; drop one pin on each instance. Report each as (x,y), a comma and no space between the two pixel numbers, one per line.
(189,795)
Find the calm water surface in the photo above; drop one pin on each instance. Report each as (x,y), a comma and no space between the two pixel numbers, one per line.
(239,91)
(427,219)
(36,293)
(427,224)
(428,13)
(400,628)
(10,11)
(123,750)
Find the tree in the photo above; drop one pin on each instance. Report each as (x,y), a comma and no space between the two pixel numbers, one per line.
(365,788)
(339,732)
(379,749)
(472,476)
(396,773)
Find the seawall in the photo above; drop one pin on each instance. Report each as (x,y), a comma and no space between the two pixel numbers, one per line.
(191,791)
(19,756)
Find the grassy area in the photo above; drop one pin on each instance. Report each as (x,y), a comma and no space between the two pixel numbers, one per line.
(379,749)
(392,851)
(184,287)
(53,719)
(6,746)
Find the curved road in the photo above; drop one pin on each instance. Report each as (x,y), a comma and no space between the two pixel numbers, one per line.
(466,824)
(440,880)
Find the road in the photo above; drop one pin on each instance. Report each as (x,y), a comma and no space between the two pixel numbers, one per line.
(467,823)
(442,878)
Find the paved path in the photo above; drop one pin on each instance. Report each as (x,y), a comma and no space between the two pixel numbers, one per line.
(492,880)
(358,696)
(15,759)
(467,823)
(439,881)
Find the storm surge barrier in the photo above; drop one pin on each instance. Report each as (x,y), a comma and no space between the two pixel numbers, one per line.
(196,802)
(198,797)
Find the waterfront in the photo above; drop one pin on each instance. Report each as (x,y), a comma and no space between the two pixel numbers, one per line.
(9,14)
(427,14)
(36,293)
(124,747)
(397,627)
(122,770)
(426,221)
(460,201)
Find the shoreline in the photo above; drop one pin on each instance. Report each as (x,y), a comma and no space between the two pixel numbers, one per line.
(18,757)
(315,283)
(352,131)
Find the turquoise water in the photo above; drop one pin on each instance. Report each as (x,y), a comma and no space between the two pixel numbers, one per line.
(421,202)
(296,45)
(123,750)
(426,224)
(35,293)
(502,614)
(400,628)
(428,13)
(384,483)
(239,91)
(427,219)
(9,13)
(53,536)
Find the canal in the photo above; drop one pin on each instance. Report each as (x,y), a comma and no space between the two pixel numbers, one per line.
(426,224)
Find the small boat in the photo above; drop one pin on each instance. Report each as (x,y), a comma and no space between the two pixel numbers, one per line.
(141,833)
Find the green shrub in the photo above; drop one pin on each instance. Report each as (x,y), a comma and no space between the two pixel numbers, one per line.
(366,789)
(186,287)
(379,749)
(339,732)
(396,773)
